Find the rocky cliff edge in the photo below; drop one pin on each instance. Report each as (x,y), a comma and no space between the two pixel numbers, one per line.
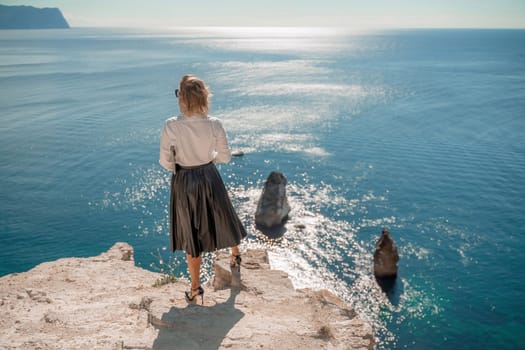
(106,302)
(29,17)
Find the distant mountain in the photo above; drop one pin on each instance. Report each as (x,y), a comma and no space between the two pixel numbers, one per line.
(28,17)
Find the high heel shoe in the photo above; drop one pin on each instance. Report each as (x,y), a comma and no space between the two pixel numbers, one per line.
(190,296)
(236,261)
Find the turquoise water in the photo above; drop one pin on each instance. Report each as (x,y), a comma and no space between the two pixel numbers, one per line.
(420,131)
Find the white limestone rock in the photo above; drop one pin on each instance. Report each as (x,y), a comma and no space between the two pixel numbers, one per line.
(106,302)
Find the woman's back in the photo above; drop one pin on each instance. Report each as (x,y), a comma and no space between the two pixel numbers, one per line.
(196,141)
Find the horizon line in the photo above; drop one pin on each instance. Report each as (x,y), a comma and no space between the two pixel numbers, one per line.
(295,26)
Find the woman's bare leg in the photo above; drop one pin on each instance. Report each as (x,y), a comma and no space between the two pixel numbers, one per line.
(235,250)
(235,258)
(194,267)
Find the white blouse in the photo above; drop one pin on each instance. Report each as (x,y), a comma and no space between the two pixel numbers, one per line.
(196,141)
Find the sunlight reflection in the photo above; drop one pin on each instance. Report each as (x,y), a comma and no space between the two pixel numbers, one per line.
(266,39)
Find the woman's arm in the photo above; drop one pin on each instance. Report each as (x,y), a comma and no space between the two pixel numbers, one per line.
(166,155)
(224,154)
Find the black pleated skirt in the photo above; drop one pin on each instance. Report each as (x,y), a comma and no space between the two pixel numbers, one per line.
(202,217)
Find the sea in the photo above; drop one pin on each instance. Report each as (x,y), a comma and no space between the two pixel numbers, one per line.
(421,131)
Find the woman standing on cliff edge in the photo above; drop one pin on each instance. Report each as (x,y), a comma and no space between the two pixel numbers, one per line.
(202,217)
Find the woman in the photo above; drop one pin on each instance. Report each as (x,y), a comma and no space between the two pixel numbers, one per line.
(202,218)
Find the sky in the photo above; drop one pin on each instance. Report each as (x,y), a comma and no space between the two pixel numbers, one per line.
(320,13)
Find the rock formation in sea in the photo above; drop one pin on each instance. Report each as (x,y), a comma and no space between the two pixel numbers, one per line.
(28,17)
(106,302)
(273,208)
(385,260)
(237,153)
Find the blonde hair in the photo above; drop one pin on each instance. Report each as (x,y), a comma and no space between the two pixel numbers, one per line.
(195,94)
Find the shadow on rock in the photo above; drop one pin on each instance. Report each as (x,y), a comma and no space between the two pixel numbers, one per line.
(197,327)
(393,288)
(274,232)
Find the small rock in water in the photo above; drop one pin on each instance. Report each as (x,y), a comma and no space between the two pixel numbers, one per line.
(237,153)
(385,256)
(273,208)
(385,262)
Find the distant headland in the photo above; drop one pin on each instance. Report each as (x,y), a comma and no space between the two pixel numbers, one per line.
(28,17)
